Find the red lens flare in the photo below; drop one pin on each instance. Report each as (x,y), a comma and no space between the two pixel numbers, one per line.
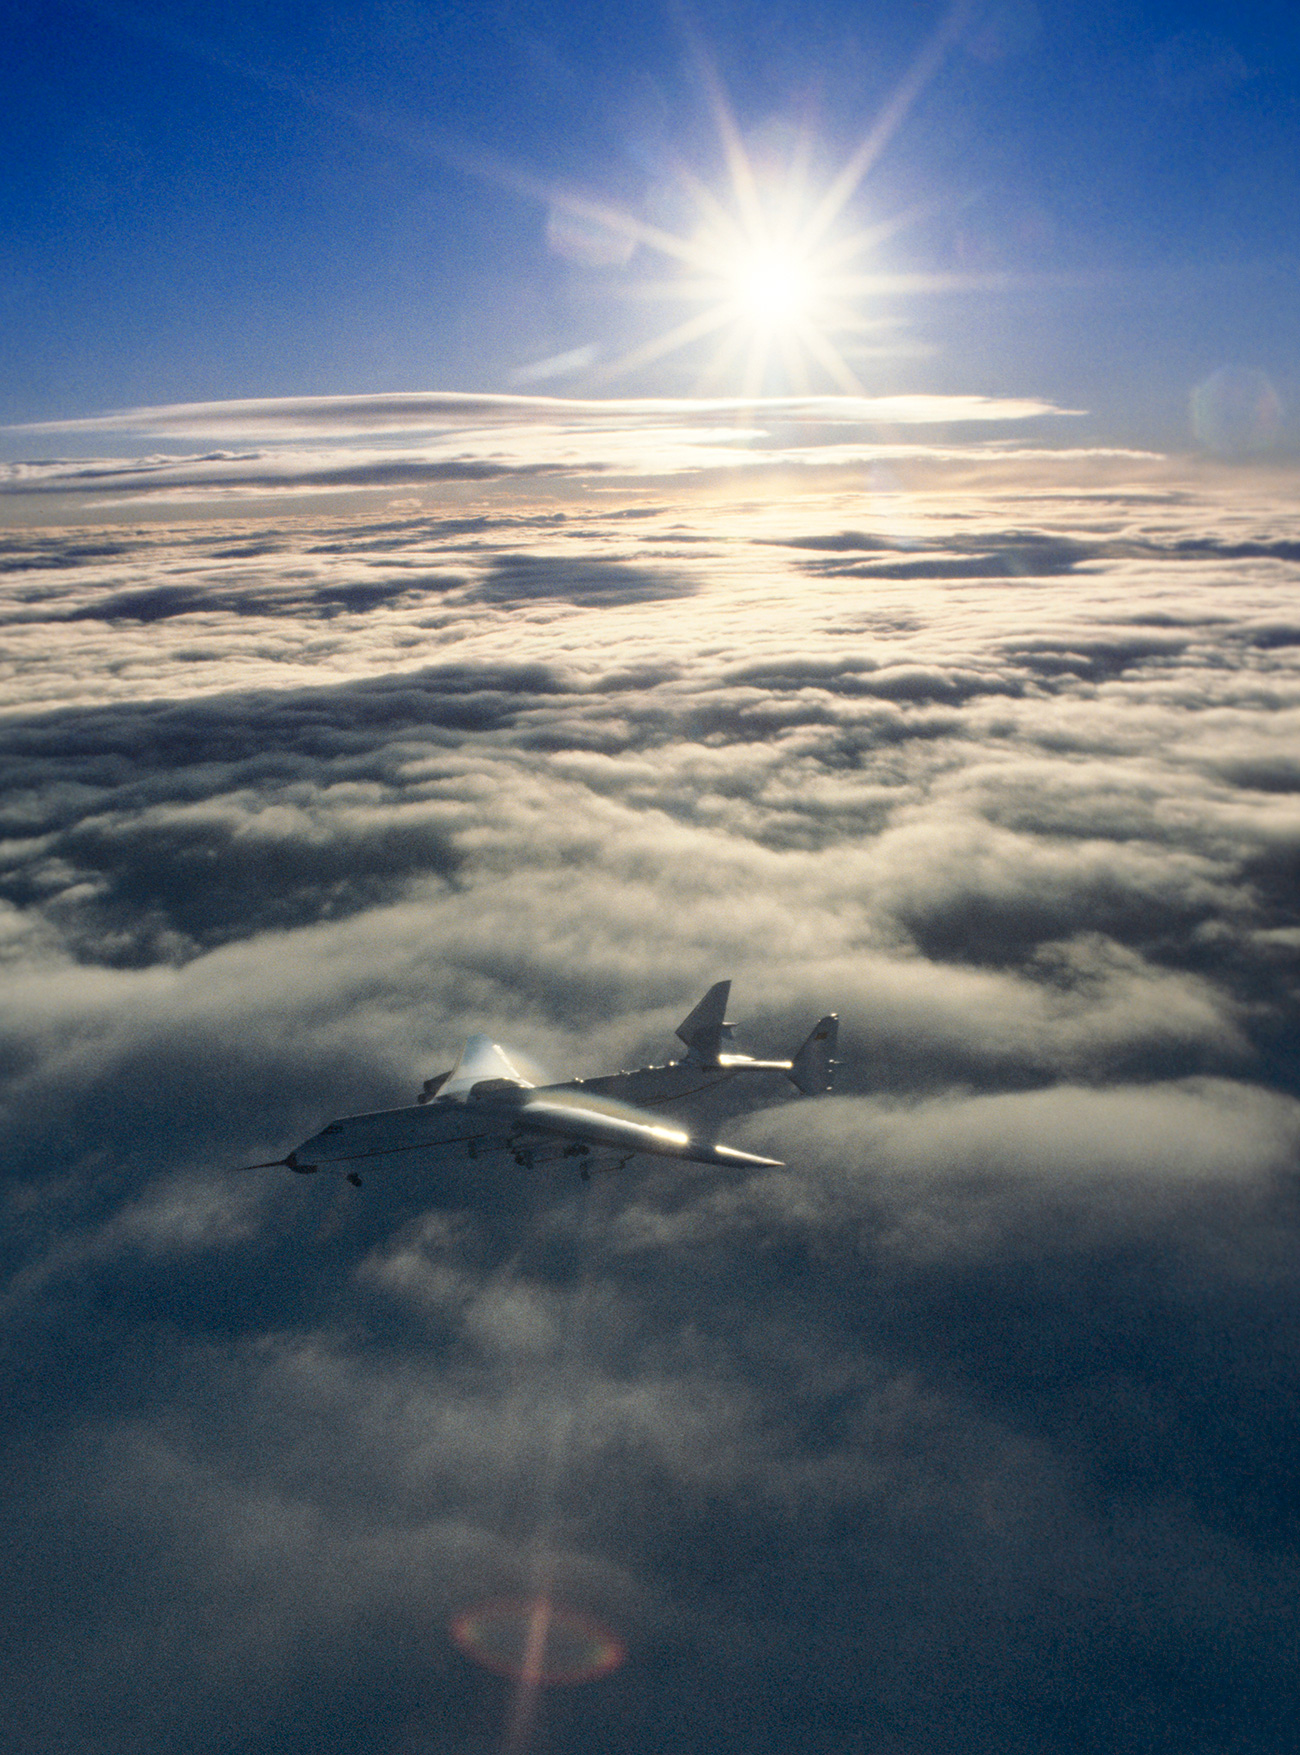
(536,1642)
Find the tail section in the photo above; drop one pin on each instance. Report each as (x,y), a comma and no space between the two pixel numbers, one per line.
(813,1068)
(706,1028)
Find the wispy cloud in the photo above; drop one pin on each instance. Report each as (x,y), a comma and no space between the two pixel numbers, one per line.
(260,472)
(438,438)
(427,411)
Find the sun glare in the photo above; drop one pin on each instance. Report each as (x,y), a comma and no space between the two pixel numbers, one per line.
(774,295)
(778,292)
(772,290)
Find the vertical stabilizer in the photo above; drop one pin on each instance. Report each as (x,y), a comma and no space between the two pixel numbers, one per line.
(706,1028)
(813,1068)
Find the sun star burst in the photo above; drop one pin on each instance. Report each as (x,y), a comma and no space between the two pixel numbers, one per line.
(763,277)
(775,282)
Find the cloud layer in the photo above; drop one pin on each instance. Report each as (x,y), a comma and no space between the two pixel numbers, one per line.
(970,1429)
(427,411)
(338,445)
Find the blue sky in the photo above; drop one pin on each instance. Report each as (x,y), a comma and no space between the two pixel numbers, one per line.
(1096,205)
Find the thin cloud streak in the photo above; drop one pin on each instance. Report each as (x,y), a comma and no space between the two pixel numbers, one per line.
(430,410)
(486,438)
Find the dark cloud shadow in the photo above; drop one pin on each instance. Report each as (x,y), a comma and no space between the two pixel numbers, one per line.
(865,679)
(388,538)
(1015,554)
(160,603)
(41,553)
(130,887)
(1098,658)
(525,578)
(148,892)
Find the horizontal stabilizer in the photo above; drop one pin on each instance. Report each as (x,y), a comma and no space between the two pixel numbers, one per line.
(814,1066)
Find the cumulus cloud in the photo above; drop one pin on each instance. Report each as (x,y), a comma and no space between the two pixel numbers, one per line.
(970,1428)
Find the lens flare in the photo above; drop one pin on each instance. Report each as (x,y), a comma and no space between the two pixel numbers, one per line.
(1236,412)
(536,1642)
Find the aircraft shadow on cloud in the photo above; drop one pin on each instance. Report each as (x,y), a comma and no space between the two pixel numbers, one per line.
(485,1105)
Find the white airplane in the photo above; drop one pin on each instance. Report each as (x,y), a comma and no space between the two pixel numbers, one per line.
(485,1104)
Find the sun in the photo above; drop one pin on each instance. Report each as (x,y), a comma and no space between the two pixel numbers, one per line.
(771,290)
(772,277)
(777,289)
(769,276)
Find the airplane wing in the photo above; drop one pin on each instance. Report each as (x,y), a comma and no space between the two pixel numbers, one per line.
(593,1120)
(386,1133)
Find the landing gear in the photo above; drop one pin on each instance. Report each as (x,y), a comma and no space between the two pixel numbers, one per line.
(621,1164)
(354,1179)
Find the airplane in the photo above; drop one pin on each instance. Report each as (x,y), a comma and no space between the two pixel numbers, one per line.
(486,1104)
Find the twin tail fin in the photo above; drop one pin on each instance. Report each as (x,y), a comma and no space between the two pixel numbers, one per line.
(706,1029)
(813,1068)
